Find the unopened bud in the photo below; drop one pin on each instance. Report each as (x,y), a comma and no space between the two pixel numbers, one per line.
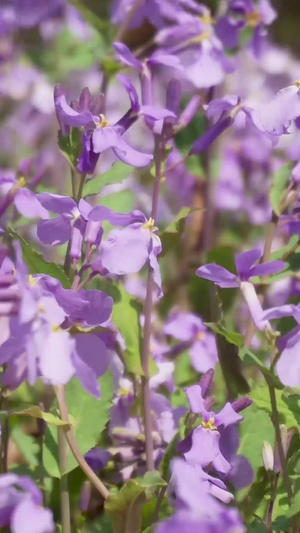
(267,455)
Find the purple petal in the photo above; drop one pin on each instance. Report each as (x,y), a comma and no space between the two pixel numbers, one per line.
(205,450)
(245,261)
(284,310)
(55,357)
(156,113)
(211,135)
(265,269)
(288,366)
(183,326)
(133,95)
(195,399)
(267,12)
(130,156)
(125,251)
(276,115)
(203,353)
(28,517)
(100,213)
(154,251)
(241,474)
(55,232)
(69,116)
(227,416)
(126,57)
(28,205)
(99,309)
(104,138)
(56,203)
(219,275)
(254,306)
(168,60)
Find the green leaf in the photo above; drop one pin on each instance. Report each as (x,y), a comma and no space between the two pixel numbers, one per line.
(36,263)
(91,416)
(126,317)
(118,173)
(255,429)
(70,146)
(295,507)
(34,411)
(122,201)
(170,453)
(285,250)
(125,508)
(249,357)
(288,406)
(27,445)
(184,373)
(279,186)
(170,237)
(230,336)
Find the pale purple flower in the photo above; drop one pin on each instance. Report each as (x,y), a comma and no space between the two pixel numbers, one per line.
(246,268)
(276,115)
(21,506)
(189,328)
(288,365)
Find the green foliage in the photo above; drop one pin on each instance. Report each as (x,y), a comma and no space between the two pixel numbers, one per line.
(254,430)
(288,406)
(170,237)
(118,173)
(70,146)
(34,411)
(91,416)
(230,336)
(279,186)
(27,445)
(125,508)
(122,201)
(36,263)
(184,373)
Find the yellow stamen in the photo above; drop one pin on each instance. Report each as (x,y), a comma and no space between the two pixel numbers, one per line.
(209,424)
(102,122)
(32,281)
(150,224)
(199,38)
(253,19)
(207,19)
(123,392)
(55,327)
(297,83)
(20,183)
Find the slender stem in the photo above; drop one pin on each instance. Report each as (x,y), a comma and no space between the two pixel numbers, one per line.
(73,179)
(5,437)
(147,324)
(269,517)
(63,485)
(159,501)
(90,474)
(276,424)
(81,185)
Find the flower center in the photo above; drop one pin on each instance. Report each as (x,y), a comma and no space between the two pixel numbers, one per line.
(149,224)
(102,123)
(55,327)
(253,19)
(21,182)
(200,335)
(297,83)
(209,424)
(207,19)
(32,281)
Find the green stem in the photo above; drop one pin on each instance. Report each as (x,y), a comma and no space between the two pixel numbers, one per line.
(63,484)
(81,185)
(283,462)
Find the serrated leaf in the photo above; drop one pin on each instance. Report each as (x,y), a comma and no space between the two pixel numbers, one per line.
(256,428)
(125,508)
(231,336)
(36,263)
(279,186)
(118,173)
(288,406)
(27,445)
(91,416)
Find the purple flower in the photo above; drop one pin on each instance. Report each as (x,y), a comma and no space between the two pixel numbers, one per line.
(288,365)
(98,135)
(276,115)
(190,329)
(246,268)
(202,446)
(15,188)
(126,251)
(21,506)
(29,13)
(147,9)
(245,13)
(226,521)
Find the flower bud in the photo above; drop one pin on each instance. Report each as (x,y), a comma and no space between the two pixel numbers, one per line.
(267,455)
